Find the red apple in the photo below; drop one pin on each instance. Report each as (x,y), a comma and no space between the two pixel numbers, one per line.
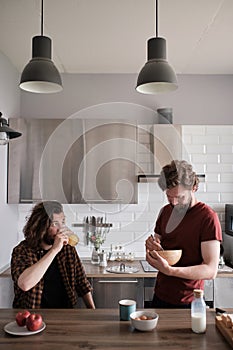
(21,317)
(34,322)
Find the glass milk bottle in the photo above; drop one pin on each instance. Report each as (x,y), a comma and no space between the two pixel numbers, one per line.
(198,312)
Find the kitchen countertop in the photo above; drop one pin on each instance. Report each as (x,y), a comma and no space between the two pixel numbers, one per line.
(98,271)
(102,329)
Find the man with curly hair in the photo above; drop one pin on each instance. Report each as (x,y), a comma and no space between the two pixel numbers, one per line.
(47,271)
(188,224)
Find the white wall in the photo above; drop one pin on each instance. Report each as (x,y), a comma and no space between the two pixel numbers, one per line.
(200,99)
(10,107)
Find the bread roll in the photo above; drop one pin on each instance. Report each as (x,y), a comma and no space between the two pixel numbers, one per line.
(226,320)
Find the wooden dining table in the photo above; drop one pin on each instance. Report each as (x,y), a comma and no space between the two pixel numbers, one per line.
(101,329)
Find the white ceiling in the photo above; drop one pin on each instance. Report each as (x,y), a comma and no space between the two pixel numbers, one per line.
(110,36)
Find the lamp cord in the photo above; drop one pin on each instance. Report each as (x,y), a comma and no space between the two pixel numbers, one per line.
(156,17)
(42,17)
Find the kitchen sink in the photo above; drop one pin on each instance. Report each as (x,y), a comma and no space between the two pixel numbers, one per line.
(122,268)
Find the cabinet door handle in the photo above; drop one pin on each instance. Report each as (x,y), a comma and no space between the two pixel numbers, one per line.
(118,281)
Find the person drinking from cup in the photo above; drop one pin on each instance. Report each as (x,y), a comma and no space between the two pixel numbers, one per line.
(46,270)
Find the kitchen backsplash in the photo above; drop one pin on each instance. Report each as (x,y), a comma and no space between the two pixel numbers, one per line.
(208,148)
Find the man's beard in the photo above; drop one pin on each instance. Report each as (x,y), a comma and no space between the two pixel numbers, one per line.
(181,208)
(48,239)
(178,213)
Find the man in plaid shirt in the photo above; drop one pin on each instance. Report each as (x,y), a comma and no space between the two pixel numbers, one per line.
(47,271)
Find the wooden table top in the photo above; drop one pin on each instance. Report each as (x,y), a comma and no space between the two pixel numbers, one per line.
(102,329)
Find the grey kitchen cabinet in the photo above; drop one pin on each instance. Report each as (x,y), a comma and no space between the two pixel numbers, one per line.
(149,284)
(6,292)
(223,292)
(108,291)
(209,292)
(73,161)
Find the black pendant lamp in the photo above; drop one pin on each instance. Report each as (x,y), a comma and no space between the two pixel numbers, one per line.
(6,133)
(157,76)
(41,75)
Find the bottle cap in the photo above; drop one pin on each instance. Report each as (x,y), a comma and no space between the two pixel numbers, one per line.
(198,293)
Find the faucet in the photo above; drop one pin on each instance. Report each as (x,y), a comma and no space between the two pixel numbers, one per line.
(122,267)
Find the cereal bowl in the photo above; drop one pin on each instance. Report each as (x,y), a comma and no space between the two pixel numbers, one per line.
(172,256)
(144,320)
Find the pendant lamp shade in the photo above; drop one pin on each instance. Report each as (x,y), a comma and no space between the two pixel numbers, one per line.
(6,133)
(41,75)
(157,76)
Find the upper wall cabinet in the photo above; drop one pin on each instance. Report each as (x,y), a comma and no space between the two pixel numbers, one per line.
(73,161)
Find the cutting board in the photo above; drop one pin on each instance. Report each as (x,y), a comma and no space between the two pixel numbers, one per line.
(226,332)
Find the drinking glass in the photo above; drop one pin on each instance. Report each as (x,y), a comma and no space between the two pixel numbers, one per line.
(73,238)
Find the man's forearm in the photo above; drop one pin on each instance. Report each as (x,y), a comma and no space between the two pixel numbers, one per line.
(33,274)
(88,300)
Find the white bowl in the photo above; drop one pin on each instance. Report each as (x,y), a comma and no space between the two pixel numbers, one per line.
(144,325)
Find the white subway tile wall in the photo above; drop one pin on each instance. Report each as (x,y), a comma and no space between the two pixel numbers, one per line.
(208,148)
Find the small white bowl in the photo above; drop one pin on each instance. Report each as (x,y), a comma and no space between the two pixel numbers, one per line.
(144,325)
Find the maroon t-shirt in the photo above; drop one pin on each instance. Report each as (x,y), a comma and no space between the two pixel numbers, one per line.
(199,224)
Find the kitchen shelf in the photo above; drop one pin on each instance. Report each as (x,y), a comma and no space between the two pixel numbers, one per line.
(144,178)
(104,225)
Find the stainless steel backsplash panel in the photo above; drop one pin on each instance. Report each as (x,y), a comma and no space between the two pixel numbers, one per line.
(73,161)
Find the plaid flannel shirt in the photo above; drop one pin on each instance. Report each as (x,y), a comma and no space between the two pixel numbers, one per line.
(70,267)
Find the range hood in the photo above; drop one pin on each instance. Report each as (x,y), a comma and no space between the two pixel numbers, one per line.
(73,161)
(164,145)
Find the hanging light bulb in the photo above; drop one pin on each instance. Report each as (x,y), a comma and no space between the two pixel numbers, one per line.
(41,75)
(157,75)
(6,133)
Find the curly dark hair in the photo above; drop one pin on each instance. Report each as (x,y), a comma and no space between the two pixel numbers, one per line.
(39,221)
(178,172)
